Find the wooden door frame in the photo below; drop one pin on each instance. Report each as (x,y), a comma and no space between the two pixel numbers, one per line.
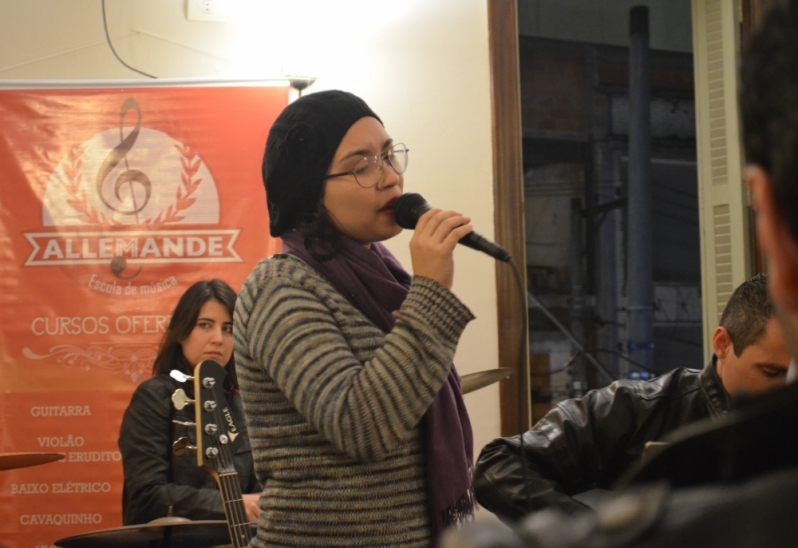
(508,197)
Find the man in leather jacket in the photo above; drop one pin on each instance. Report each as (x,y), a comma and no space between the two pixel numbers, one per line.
(730,483)
(588,443)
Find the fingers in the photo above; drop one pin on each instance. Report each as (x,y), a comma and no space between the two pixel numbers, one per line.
(444,227)
(437,233)
(251,506)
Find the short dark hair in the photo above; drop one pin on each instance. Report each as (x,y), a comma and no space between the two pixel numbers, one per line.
(184,319)
(747,313)
(769,105)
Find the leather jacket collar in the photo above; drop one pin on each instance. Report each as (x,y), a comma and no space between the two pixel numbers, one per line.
(711,385)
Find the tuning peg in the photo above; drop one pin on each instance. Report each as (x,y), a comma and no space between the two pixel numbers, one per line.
(209,405)
(181,446)
(208,382)
(179,376)
(184,423)
(211,452)
(180,400)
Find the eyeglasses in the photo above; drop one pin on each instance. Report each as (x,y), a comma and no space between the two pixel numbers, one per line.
(368,170)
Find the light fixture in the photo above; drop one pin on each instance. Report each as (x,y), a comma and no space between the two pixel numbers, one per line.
(299,83)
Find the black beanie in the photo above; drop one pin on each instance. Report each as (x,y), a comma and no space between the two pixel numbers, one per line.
(299,150)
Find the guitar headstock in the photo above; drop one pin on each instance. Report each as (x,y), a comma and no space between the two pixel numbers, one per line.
(218,436)
(218,439)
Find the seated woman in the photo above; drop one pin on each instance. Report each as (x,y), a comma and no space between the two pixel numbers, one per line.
(157,482)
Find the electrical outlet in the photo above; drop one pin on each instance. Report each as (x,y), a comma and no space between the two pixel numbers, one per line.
(207,10)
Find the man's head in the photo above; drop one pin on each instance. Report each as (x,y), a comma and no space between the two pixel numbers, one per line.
(748,343)
(769,111)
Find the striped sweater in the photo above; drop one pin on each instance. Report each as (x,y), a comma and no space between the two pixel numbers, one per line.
(333,406)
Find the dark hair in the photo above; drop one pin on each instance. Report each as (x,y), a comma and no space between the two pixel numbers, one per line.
(747,313)
(322,239)
(184,319)
(768,105)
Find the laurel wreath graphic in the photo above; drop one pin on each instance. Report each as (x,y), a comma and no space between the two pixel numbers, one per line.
(183,199)
(131,359)
(72,182)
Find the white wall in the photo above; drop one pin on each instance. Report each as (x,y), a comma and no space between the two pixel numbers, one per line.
(422,65)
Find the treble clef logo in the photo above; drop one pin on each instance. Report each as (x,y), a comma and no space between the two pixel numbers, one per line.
(129,176)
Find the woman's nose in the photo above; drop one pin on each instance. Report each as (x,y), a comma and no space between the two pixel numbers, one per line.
(389,176)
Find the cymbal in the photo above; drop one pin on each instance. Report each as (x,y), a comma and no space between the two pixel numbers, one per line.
(164,532)
(9,461)
(475,381)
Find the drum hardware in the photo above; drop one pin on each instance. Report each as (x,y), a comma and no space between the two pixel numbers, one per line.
(475,381)
(168,532)
(9,461)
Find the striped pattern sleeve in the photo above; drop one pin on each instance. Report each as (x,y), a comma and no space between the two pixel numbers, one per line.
(363,390)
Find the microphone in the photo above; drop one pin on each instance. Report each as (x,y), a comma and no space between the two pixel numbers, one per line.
(409,207)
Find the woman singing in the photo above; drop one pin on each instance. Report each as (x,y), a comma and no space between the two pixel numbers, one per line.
(358,427)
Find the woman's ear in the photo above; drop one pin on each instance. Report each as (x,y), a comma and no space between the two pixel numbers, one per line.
(777,241)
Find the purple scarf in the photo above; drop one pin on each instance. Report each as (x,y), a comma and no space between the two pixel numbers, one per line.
(377,285)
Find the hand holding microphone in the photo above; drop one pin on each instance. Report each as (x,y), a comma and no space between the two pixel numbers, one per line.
(437,233)
(409,208)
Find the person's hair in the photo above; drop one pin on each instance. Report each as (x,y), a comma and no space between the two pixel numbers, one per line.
(184,319)
(321,238)
(747,313)
(769,105)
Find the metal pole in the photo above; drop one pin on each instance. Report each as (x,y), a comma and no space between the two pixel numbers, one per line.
(578,371)
(640,286)
(607,293)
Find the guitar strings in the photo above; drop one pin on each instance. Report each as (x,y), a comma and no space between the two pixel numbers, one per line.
(229,483)
(226,460)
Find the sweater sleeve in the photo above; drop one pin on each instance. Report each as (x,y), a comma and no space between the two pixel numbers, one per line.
(363,408)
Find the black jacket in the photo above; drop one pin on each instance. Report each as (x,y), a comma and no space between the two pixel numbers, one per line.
(730,483)
(589,443)
(156,479)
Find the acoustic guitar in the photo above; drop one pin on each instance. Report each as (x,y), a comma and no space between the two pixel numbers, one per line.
(755,438)
(218,437)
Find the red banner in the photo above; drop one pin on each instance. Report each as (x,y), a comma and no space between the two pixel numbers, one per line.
(114,201)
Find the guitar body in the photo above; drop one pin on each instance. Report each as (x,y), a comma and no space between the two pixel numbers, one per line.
(754,439)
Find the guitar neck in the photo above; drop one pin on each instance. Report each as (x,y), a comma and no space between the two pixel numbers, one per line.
(234,510)
(217,438)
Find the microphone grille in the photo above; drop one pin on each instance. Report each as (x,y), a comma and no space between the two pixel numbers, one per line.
(408,208)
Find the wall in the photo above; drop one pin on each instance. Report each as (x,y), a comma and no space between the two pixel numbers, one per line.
(423,66)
